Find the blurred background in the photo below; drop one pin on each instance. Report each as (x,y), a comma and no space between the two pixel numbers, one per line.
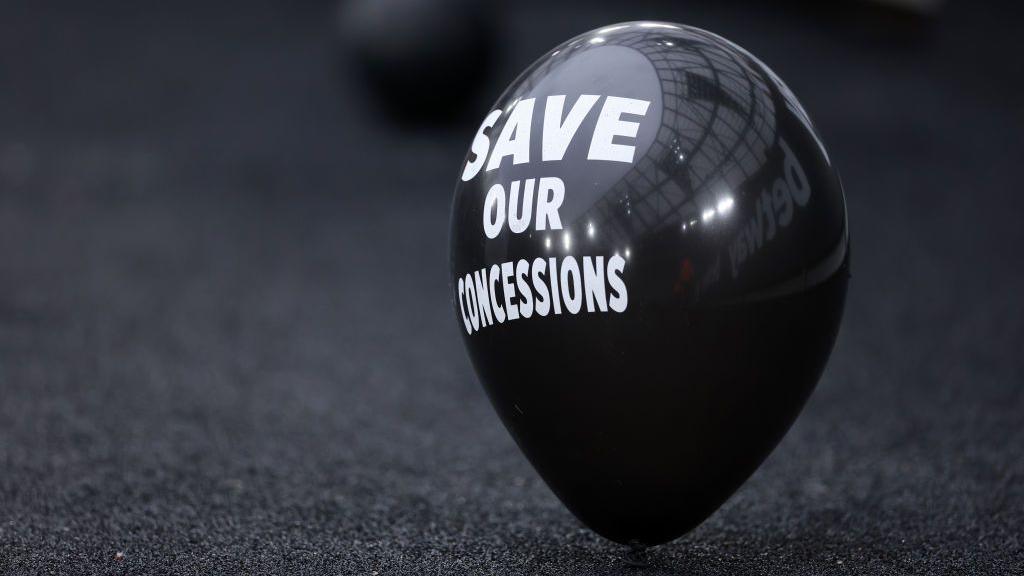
(225,336)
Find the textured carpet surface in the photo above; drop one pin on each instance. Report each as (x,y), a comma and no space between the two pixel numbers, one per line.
(225,343)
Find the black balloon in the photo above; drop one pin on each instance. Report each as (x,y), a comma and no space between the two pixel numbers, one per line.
(423,61)
(649,259)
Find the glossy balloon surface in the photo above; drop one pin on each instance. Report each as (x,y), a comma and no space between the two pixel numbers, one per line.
(698,237)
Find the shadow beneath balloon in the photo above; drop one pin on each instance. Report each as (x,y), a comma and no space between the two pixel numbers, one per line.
(609,560)
(820,541)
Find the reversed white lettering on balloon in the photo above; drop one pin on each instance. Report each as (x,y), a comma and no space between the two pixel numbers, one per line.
(773,211)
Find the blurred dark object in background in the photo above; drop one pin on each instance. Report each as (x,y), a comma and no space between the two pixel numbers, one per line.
(423,61)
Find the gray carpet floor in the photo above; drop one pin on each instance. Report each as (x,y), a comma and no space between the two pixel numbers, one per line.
(226,345)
